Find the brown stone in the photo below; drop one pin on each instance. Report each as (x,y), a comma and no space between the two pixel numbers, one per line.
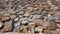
(26,14)
(50,32)
(16,29)
(21,12)
(39,28)
(6,14)
(58,30)
(23,27)
(52,25)
(57,20)
(29,8)
(51,12)
(40,22)
(7,27)
(31,24)
(4,18)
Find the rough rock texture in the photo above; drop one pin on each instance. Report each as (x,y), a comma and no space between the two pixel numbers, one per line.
(30,16)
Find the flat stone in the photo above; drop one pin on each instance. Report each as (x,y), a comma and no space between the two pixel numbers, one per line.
(27,14)
(57,21)
(50,18)
(30,8)
(6,14)
(52,25)
(41,22)
(21,12)
(32,25)
(5,18)
(50,32)
(36,16)
(7,27)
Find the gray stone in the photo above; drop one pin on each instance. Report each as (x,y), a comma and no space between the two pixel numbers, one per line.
(17,24)
(24,21)
(16,19)
(20,16)
(50,18)
(44,13)
(36,16)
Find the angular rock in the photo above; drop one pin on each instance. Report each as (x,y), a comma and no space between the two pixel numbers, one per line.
(16,29)
(17,24)
(16,19)
(52,25)
(7,27)
(21,12)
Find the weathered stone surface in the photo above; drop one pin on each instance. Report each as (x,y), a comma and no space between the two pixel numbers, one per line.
(5,18)
(7,27)
(50,32)
(13,16)
(57,21)
(36,16)
(30,16)
(21,12)
(52,25)
(26,14)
